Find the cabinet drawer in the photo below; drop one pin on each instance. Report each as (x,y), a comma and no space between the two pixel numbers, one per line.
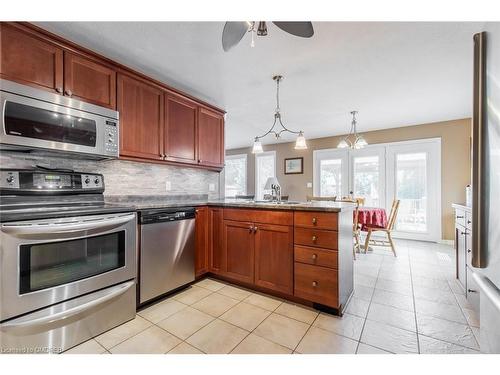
(316,238)
(315,256)
(460,217)
(472,291)
(320,220)
(316,284)
(259,216)
(468,220)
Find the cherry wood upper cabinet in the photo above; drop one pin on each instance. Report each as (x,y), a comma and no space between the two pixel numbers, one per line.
(215,240)
(201,241)
(89,81)
(274,257)
(180,129)
(29,60)
(141,118)
(239,249)
(210,138)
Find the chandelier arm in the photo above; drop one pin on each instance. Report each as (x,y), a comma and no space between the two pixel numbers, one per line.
(285,128)
(269,131)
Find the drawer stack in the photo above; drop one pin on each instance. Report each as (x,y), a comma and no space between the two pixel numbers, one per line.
(316,257)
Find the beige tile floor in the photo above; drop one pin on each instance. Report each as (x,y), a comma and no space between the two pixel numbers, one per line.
(408,304)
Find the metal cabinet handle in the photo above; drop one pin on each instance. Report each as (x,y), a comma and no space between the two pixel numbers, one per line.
(314,283)
(314,220)
(314,256)
(314,238)
(113,293)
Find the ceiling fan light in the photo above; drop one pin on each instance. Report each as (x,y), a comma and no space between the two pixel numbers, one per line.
(343,144)
(300,143)
(257,147)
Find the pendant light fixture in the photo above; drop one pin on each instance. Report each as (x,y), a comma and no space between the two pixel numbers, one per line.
(353,139)
(300,143)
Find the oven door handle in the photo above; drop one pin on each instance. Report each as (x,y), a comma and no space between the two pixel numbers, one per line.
(55,228)
(65,314)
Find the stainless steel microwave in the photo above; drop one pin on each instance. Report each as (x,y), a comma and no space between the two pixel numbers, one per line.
(39,121)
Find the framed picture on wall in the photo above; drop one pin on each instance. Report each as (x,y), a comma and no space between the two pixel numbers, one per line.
(294,165)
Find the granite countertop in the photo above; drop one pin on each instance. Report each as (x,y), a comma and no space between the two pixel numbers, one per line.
(141,202)
(461,206)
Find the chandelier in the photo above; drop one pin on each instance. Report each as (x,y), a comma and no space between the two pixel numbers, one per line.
(300,143)
(353,139)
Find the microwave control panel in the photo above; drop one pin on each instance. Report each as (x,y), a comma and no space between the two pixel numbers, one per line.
(111,137)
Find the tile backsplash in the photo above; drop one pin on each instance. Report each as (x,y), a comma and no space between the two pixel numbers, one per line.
(127,177)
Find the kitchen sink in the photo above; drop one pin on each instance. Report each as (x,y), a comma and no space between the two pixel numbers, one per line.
(278,203)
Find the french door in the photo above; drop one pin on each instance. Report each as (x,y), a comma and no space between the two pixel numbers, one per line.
(414,177)
(408,171)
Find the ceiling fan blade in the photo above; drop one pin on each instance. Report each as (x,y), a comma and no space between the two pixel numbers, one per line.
(232,34)
(302,29)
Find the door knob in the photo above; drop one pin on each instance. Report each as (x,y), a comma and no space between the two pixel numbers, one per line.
(314,256)
(314,283)
(250,229)
(314,238)
(314,220)
(472,291)
(255,229)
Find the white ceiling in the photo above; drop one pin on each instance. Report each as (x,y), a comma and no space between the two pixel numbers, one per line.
(394,74)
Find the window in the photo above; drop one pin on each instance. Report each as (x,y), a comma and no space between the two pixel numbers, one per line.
(409,171)
(265,167)
(235,175)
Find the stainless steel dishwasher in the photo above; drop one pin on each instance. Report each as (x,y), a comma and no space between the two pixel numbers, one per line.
(167,251)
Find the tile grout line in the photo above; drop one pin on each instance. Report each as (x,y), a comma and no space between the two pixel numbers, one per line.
(414,305)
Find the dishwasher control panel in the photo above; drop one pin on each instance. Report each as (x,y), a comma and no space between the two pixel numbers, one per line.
(169,214)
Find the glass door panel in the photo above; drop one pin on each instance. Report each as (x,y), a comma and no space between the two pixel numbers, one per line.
(330,174)
(411,190)
(368,175)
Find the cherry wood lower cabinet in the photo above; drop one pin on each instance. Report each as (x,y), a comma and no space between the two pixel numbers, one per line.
(201,241)
(274,257)
(273,251)
(239,250)
(217,260)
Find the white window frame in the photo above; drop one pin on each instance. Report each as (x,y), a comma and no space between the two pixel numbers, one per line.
(259,155)
(238,156)
(386,152)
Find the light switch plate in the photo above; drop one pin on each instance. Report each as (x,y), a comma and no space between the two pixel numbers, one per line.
(211,187)
(309,184)
(168,185)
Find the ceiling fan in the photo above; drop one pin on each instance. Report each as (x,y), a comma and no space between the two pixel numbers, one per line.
(235,31)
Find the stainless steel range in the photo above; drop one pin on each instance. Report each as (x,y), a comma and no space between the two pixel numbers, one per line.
(67,260)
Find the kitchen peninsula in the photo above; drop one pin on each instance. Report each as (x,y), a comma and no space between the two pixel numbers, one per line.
(297,251)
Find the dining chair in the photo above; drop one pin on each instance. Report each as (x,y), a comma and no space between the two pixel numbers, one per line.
(311,198)
(388,230)
(356,232)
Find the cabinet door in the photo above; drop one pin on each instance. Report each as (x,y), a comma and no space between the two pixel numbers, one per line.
(210,138)
(29,60)
(89,81)
(239,250)
(141,118)
(274,257)
(180,129)
(215,240)
(201,235)
(460,254)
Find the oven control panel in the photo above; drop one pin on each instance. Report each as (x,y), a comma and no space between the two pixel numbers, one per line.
(91,181)
(39,181)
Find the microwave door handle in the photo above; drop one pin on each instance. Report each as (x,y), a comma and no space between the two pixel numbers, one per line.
(65,314)
(55,228)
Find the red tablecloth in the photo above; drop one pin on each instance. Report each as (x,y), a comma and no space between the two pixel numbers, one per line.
(372,217)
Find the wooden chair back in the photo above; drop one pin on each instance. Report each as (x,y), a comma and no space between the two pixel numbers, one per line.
(393,214)
(311,198)
(355,219)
